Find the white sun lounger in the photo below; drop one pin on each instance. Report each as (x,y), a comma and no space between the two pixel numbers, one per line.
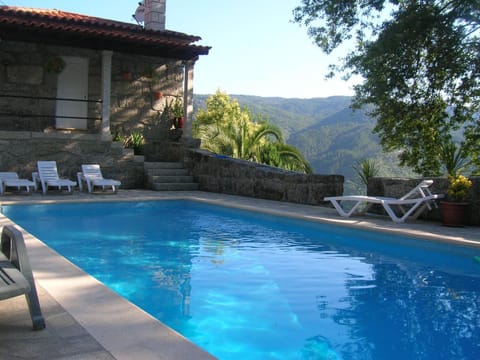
(11,179)
(48,176)
(411,204)
(92,175)
(16,276)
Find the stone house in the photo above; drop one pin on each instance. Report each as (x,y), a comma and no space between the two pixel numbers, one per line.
(70,83)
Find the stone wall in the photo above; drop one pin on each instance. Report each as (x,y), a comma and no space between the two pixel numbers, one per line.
(28,88)
(21,152)
(399,187)
(142,87)
(28,85)
(227,175)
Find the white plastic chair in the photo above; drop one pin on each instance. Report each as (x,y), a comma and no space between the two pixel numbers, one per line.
(48,175)
(11,179)
(92,175)
(16,276)
(411,204)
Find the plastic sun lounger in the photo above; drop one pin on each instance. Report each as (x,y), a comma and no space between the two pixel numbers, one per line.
(92,175)
(48,176)
(11,179)
(411,204)
(16,276)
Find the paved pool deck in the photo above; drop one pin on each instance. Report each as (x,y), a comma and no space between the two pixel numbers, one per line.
(86,320)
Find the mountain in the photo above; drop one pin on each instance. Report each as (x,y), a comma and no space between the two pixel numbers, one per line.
(331,136)
(291,115)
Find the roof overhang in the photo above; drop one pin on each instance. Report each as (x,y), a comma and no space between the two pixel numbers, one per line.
(54,27)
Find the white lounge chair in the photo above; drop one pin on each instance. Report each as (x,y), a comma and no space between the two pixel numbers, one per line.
(92,175)
(411,204)
(16,276)
(11,179)
(48,175)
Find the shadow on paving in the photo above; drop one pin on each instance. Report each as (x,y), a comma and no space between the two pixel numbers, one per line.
(63,338)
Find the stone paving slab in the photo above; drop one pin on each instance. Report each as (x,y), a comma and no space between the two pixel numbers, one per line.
(63,338)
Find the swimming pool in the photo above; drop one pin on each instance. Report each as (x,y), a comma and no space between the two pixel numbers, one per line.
(251,286)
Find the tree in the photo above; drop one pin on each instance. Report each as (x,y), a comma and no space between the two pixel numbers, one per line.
(227,129)
(420,60)
(284,156)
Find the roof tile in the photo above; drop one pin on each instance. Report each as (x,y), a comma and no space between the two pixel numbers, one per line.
(52,20)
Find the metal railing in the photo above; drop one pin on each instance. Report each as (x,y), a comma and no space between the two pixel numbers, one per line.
(17,119)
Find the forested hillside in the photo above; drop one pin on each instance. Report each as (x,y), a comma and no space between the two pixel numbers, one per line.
(329,134)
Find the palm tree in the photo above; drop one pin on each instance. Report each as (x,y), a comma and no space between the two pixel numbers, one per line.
(284,156)
(226,129)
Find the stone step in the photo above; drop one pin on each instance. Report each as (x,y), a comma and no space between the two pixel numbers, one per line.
(166,172)
(126,157)
(170,179)
(162,165)
(175,186)
(127,151)
(116,145)
(139,158)
(168,176)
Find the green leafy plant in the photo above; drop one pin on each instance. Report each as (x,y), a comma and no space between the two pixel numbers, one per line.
(454,160)
(149,72)
(366,169)
(133,141)
(55,65)
(137,141)
(458,187)
(177,108)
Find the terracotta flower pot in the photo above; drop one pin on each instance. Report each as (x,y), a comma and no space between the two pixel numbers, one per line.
(180,122)
(157,95)
(453,213)
(126,75)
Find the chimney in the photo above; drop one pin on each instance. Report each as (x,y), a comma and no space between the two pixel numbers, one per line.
(155,14)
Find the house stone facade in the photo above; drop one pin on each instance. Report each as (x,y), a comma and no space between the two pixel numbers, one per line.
(70,83)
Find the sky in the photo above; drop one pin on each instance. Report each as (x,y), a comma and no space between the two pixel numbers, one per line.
(256,49)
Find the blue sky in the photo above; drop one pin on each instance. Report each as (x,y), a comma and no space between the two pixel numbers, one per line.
(256,50)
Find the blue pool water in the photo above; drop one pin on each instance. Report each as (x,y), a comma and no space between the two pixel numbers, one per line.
(251,286)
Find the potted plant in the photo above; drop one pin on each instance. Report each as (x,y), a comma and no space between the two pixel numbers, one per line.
(149,72)
(177,110)
(133,141)
(126,75)
(55,65)
(157,95)
(453,209)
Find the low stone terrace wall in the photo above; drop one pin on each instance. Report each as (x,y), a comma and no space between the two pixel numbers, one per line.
(19,152)
(381,186)
(223,174)
(227,175)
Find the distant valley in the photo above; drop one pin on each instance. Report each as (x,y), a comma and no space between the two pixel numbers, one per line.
(331,136)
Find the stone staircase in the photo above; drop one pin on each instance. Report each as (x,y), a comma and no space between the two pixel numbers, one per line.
(168,176)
